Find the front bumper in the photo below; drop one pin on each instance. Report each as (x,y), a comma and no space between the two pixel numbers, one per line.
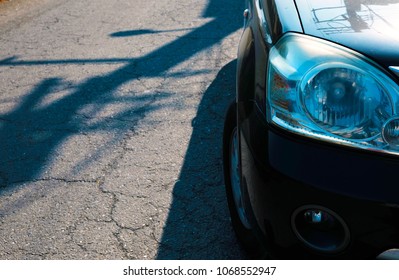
(292,172)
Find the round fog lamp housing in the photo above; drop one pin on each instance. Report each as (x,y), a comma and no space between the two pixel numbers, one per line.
(320,229)
(390,132)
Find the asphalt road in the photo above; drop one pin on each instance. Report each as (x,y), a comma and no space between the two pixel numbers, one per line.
(111,115)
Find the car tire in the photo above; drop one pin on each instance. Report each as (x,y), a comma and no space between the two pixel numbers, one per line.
(236,191)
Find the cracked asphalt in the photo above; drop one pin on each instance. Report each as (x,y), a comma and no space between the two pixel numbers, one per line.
(111,116)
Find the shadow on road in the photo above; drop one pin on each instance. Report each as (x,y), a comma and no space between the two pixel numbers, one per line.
(198,225)
(31,132)
(129,33)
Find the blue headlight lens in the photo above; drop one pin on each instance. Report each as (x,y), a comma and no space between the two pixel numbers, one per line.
(346,102)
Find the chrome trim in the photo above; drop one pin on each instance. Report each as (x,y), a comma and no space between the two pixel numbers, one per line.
(263,23)
(394,69)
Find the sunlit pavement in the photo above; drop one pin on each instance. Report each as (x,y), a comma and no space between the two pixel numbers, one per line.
(111,114)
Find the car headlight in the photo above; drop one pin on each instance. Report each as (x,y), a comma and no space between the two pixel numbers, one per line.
(325,91)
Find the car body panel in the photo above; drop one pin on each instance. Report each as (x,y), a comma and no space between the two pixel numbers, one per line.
(370,27)
(279,17)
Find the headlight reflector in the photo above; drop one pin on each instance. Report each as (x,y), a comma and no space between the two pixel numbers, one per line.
(325,91)
(390,132)
(345,102)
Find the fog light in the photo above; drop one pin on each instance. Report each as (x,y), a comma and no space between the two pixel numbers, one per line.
(390,132)
(320,229)
(313,216)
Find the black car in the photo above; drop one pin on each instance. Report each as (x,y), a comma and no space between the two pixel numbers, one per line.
(311,143)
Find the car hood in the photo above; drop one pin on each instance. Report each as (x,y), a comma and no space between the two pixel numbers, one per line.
(370,27)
